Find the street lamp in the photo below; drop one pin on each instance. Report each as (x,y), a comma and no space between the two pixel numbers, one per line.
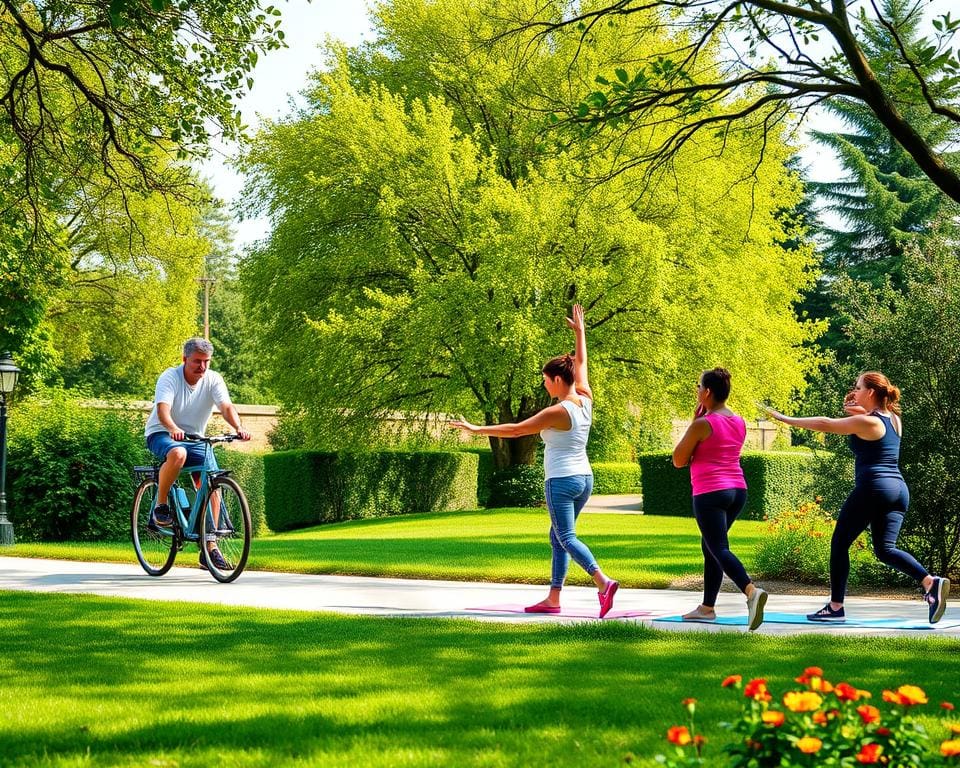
(9,373)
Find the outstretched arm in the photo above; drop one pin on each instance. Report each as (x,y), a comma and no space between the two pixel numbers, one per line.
(576,324)
(555,416)
(861,425)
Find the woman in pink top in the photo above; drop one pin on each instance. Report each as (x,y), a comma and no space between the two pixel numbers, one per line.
(711,446)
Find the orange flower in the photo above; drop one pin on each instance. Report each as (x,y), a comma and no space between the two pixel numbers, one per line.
(809,744)
(679,735)
(911,694)
(699,740)
(947,706)
(731,680)
(954,728)
(869,753)
(950,748)
(891,698)
(868,713)
(813,672)
(819,718)
(846,692)
(883,731)
(772,717)
(757,690)
(802,701)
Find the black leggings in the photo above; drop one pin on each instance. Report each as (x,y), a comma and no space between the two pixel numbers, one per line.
(715,513)
(880,504)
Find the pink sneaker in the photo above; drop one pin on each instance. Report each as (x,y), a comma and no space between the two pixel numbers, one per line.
(541,608)
(606,597)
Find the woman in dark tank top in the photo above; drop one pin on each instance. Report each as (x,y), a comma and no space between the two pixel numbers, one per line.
(880,497)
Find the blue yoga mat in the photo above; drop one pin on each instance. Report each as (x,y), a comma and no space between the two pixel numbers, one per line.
(799,618)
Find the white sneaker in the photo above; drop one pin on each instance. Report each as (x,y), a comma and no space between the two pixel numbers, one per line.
(755,603)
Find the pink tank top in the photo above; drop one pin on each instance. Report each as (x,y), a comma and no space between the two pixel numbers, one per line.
(715,464)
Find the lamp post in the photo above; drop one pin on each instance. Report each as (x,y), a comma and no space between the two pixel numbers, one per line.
(9,373)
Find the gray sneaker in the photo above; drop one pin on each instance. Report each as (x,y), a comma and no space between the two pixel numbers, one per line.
(937,598)
(755,603)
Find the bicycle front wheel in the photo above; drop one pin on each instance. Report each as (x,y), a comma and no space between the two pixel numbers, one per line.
(226,521)
(156,547)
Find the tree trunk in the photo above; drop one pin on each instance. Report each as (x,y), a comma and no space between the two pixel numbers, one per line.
(517,450)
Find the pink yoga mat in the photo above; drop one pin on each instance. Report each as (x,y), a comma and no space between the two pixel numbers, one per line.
(565,613)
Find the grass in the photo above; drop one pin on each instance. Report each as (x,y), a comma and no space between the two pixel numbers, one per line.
(90,681)
(502,545)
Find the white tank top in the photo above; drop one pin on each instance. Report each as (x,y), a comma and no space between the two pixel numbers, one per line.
(565,451)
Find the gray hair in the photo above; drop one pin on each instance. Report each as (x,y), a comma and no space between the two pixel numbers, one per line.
(196,344)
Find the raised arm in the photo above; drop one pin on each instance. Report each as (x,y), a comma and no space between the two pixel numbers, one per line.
(580,379)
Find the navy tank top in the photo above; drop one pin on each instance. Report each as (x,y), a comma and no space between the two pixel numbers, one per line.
(875,459)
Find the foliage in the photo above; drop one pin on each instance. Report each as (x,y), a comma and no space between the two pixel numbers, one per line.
(69,469)
(247,470)
(779,65)
(776,480)
(117,85)
(304,488)
(796,547)
(914,339)
(428,240)
(615,477)
(823,724)
(517,486)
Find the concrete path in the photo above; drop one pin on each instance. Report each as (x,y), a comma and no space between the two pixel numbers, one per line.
(621,503)
(444,599)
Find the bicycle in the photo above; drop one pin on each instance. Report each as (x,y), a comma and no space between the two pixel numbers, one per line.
(225,518)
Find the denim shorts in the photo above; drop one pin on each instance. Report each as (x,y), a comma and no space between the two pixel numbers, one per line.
(160,444)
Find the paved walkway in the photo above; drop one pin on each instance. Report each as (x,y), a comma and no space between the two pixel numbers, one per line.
(449,599)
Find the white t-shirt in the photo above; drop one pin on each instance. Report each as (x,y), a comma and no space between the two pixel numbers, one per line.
(565,451)
(190,407)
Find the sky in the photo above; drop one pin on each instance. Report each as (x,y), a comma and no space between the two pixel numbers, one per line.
(281,75)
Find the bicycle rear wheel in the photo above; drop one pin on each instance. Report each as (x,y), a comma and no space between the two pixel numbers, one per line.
(155,548)
(231,531)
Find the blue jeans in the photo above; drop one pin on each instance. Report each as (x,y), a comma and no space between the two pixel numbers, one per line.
(880,504)
(566,496)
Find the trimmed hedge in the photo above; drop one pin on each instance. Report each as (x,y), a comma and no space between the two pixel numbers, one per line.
(776,480)
(616,477)
(304,488)
(247,469)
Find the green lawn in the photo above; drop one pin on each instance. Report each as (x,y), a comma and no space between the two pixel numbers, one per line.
(89,681)
(502,545)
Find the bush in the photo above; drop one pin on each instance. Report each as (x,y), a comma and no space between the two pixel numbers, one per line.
(821,724)
(796,547)
(775,481)
(69,470)
(247,470)
(609,477)
(517,486)
(484,473)
(304,488)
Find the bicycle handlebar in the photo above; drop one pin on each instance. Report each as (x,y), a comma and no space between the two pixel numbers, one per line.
(226,438)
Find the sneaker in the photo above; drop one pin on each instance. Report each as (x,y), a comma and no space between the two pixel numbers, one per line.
(541,608)
(755,603)
(160,517)
(827,614)
(700,614)
(937,598)
(606,597)
(216,558)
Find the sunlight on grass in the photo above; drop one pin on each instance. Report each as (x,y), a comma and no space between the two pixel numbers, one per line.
(109,682)
(501,545)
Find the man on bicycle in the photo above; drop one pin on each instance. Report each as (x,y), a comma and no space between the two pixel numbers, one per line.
(183,403)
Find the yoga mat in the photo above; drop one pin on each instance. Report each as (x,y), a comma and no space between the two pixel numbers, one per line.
(565,613)
(799,618)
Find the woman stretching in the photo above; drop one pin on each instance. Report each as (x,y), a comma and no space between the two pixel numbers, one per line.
(879,498)
(568,482)
(711,446)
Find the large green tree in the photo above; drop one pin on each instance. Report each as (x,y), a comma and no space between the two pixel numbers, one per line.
(428,238)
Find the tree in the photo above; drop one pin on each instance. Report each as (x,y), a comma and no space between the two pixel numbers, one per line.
(427,241)
(118,83)
(777,65)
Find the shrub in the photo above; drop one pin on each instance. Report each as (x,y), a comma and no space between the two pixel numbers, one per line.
(247,470)
(775,481)
(304,488)
(517,486)
(821,724)
(484,473)
(69,470)
(609,477)
(796,547)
